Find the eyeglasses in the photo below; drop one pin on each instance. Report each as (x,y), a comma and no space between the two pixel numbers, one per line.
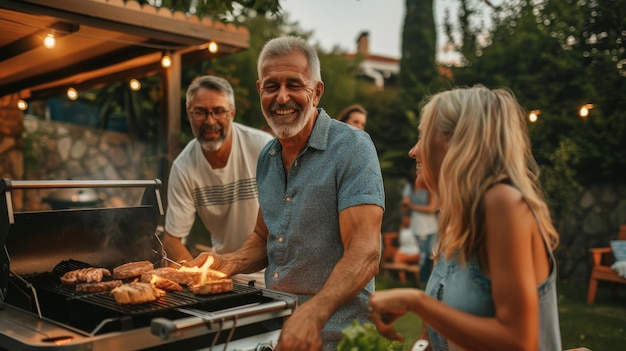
(201,115)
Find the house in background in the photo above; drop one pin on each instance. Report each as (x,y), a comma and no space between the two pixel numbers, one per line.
(381,70)
(384,70)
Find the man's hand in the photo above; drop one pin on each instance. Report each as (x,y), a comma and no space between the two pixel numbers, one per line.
(218,261)
(301,331)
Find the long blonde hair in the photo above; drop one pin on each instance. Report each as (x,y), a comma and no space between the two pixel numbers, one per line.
(488,143)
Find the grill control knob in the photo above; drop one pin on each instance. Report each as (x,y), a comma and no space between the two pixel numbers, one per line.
(264,347)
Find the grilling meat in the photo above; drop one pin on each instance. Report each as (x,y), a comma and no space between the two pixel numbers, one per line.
(132,269)
(136,293)
(182,278)
(160,282)
(85,275)
(213,286)
(99,286)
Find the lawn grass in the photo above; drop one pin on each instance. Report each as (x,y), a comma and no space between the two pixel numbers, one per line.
(598,327)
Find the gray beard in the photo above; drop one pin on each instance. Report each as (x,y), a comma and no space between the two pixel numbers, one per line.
(288,130)
(211,145)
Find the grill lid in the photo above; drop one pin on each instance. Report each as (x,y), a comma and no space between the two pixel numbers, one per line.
(35,242)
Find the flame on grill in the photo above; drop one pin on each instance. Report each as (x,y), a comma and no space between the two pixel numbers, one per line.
(206,273)
(154,279)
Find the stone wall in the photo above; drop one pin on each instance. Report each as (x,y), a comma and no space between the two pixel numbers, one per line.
(594,222)
(11,156)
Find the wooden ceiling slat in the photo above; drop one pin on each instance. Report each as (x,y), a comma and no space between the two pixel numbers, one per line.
(114,36)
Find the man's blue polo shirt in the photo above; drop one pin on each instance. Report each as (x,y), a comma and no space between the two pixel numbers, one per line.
(338,169)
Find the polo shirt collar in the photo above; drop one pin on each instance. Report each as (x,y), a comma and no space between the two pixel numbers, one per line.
(319,135)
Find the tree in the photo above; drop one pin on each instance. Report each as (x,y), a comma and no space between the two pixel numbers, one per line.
(418,74)
(418,70)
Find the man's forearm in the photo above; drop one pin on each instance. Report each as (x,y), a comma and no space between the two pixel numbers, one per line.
(250,257)
(347,279)
(175,248)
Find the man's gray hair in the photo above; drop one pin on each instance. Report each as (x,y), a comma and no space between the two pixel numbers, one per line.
(282,46)
(211,83)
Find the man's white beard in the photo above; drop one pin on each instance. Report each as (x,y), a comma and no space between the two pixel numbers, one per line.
(289,129)
(211,145)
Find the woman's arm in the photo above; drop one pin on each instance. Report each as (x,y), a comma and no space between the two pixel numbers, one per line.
(431,207)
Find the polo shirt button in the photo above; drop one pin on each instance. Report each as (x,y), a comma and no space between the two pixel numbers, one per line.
(287,198)
(280,239)
(295,163)
(275,275)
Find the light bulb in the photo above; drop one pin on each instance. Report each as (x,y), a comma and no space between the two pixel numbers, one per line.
(72,94)
(49,41)
(22,105)
(534,115)
(166,61)
(213,47)
(584,112)
(134,84)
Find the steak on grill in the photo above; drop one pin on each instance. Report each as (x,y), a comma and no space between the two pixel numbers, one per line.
(85,275)
(132,269)
(136,293)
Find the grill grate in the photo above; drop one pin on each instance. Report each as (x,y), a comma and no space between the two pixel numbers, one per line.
(172,299)
(50,282)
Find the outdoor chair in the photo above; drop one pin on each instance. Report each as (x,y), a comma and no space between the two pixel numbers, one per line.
(602,259)
(387,265)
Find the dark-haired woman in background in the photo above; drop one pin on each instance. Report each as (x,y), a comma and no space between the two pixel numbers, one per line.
(354,115)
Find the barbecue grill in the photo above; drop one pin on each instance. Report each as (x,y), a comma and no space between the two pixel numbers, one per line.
(40,313)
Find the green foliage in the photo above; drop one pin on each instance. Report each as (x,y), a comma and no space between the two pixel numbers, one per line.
(560,177)
(556,56)
(365,337)
(225,10)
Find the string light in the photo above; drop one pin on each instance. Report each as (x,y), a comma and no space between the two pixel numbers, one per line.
(584,110)
(49,41)
(134,84)
(166,60)
(213,47)
(534,115)
(22,105)
(72,94)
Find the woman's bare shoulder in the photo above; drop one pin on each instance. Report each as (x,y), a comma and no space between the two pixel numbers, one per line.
(502,195)
(505,201)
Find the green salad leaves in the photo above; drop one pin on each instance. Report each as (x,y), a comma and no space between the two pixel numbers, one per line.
(365,337)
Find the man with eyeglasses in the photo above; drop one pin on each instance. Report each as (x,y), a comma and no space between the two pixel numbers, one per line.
(214,176)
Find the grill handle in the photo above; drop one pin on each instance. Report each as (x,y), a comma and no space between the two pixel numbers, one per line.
(164,327)
(48,184)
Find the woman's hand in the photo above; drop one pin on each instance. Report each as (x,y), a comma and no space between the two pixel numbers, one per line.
(385,307)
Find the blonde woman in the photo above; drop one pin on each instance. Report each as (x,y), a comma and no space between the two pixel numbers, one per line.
(493,286)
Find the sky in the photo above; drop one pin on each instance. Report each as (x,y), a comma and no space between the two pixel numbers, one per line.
(339,22)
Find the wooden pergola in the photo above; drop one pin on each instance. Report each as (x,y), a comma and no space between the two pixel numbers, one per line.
(99,42)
